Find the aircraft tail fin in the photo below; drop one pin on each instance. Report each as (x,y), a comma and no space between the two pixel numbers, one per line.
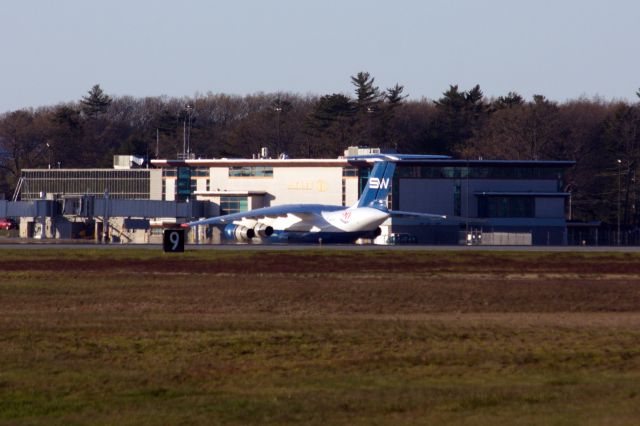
(378,186)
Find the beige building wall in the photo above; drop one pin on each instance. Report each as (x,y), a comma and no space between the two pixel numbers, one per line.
(155,184)
(351,190)
(170,189)
(201,184)
(289,185)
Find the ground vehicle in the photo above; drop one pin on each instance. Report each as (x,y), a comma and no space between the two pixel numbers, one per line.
(6,223)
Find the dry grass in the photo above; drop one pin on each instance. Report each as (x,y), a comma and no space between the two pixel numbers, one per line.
(324,337)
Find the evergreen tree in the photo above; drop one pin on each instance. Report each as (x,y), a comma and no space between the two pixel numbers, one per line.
(452,100)
(331,122)
(368,110)
(510,100)
(95,102)
(474,96)
(460,116)
(394,95)
(475,107)
(331,108)
(388,134)
(367,95)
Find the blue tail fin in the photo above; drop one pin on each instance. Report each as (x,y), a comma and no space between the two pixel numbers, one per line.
(378,186)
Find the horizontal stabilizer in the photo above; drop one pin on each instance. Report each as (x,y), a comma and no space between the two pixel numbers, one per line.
(398,213)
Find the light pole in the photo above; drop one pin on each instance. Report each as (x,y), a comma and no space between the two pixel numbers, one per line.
(619,173)
(189,110)
(49,153)
(184,138)
(370,112)
(278,110)
(568,189)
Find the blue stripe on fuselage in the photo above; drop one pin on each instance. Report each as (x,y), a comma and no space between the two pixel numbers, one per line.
(314,237)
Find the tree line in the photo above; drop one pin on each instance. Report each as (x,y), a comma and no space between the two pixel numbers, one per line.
(602,136)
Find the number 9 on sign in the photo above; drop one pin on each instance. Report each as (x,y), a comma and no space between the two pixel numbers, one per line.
(173,240)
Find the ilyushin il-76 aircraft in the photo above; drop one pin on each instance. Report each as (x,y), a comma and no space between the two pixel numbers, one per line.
(313,223)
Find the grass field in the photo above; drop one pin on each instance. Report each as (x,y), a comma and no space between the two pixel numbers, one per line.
(319,337)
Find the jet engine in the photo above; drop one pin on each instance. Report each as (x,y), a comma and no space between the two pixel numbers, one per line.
(238,232)
(263,230)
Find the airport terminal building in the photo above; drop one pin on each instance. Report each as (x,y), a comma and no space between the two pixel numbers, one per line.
(492,200)
(485,201)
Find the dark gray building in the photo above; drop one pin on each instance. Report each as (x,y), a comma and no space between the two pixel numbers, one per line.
(485,201)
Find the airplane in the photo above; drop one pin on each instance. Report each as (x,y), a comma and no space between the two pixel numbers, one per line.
(318,223)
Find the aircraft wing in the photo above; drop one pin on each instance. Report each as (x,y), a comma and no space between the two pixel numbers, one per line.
(398,213)
(266,212)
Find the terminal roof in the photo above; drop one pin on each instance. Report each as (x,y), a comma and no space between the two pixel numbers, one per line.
(361,160)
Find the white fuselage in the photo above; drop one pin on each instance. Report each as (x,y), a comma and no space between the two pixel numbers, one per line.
(355,219)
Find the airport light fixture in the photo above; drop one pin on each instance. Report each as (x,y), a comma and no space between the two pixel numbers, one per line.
(189,112)
(278,110)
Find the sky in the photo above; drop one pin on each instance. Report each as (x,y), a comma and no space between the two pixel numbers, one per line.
(55,51)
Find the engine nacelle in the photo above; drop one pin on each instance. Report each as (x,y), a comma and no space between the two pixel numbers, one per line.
(238,232)
(263,230)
